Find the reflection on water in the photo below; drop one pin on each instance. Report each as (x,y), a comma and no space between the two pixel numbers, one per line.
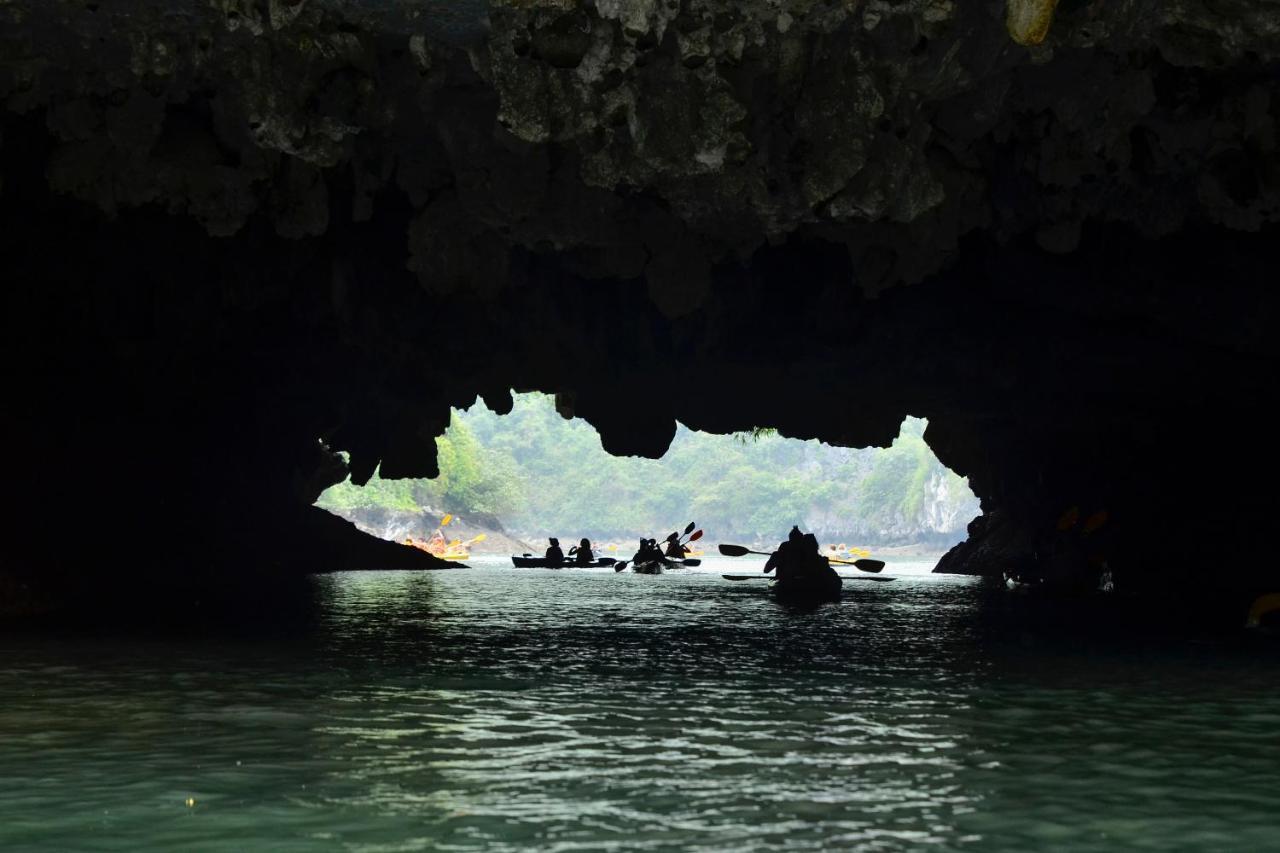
(519,710)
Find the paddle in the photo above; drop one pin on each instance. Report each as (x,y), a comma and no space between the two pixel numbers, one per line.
(861,565)
(692,564)
(740,551)
(694,538)
(767,578)
(678,536)
(680,539)
(458,543)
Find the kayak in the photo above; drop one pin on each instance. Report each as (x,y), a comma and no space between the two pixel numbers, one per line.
(842,577)
(454,553)
(805,593)
(544,563)
(808,590)
(657,567)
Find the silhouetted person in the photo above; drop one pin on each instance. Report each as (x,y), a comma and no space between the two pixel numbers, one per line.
(813,565)
(674,549)
(582,551)
(801,568)
(787,559)
(554,554)
(648,553)
(811,575)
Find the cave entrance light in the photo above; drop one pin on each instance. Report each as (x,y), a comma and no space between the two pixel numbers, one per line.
(508,482)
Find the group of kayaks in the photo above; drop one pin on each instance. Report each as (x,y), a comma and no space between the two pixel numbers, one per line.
(800,590)
(438,546)
(808,575)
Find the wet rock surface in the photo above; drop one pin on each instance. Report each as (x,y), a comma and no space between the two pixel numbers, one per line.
(240,235)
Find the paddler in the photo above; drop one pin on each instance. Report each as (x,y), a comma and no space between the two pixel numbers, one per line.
(437,545)
(648,552)
(675,550)
(582,551)
(787,558)
(554,555)
(815,566)
(799,560)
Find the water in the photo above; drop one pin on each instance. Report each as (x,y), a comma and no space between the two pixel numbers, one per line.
(504,710)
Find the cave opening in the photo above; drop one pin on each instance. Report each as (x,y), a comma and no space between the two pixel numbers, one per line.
(507,482)
(252,248)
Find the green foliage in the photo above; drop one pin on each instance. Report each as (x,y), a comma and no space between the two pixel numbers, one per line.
(472,479)
(896,483)
(753,435)
(387,494)
(544,475)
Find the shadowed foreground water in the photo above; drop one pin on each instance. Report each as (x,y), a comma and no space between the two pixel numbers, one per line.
(532,710)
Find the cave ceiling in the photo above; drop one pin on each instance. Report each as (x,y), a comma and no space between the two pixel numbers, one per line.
(1047,226)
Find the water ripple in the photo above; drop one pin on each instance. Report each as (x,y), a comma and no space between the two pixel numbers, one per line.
(521,710)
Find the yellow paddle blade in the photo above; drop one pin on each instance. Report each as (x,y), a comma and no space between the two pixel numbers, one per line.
(480,537)
(612,548)
(444,522)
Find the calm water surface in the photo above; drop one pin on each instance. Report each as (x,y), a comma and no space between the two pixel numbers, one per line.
(503,710)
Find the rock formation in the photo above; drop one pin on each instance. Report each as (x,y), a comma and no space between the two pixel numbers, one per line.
(239,235)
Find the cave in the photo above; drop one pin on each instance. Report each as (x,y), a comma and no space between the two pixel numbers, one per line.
(251,249)
(241,238)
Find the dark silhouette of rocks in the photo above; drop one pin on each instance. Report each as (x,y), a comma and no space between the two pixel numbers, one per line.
(240,235)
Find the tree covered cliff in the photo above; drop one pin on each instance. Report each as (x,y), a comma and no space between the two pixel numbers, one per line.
(544,475)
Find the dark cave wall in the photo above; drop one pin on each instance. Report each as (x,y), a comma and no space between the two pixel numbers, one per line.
(235,230)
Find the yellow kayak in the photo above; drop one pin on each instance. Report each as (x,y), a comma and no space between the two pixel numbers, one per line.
(454,553)
(844,552)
